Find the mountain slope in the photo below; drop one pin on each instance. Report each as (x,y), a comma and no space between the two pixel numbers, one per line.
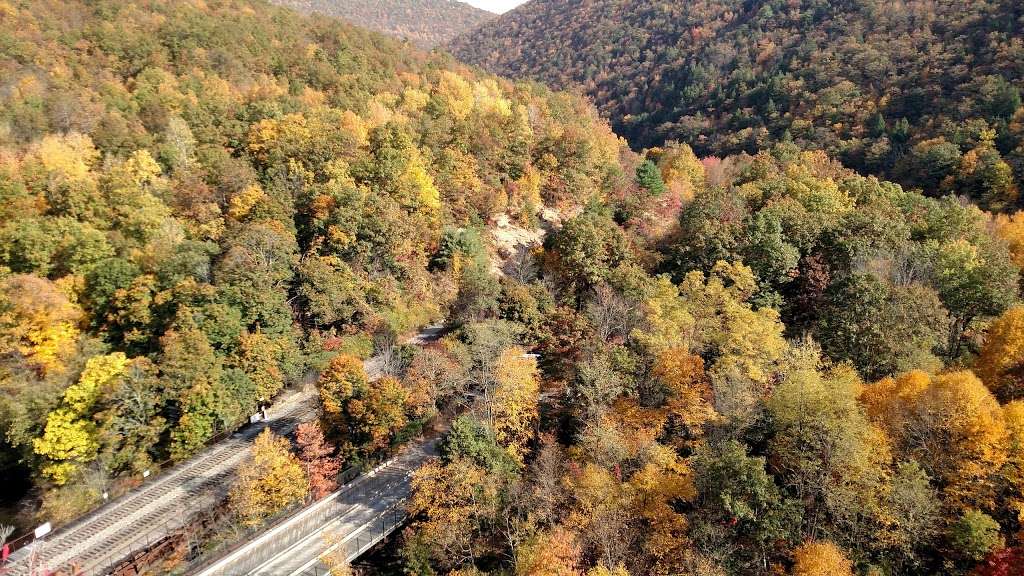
(200,200)
(862,79)
(427,23)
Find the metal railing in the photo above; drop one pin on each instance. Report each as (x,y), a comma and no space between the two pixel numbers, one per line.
(389,521)
(361,541)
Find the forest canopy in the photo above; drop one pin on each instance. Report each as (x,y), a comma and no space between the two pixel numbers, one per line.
(203,201)
(707,359)
(426,23)
(927,94)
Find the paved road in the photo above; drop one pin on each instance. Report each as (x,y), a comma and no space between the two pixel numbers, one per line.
(355,518)
(157,508)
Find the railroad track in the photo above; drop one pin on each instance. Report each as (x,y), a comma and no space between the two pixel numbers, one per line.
(101,539)
(157,508)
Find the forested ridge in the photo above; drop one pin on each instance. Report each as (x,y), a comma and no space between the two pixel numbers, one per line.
(926,93)
(203,201)
(656,363)
(427,23)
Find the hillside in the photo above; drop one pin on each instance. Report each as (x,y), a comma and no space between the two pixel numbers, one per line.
(653,363)
(925,92)
(200,200)
(427,23)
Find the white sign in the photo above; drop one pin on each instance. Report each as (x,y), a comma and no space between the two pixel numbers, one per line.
(43,530)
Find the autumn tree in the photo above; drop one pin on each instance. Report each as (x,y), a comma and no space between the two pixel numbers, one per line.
(826,451)
(70,438)
(585,250)
(269,481)
(1001,361)
(450,503)
(512,406)
(1013,471)
(662,483)
(376,416)
(343,379)
(950,423)
(973,281)
(1005,562)
(821,558)
(259,360)
(39,322)
(688,390)
(600,511)
(318,460)
(553,553)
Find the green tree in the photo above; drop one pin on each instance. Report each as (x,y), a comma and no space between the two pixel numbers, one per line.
(974,535)
(735,490)
(973,281)
(648,177)
(585,251)
(882,329)
(190,372)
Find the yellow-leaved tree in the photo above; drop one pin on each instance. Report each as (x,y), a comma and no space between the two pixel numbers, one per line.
(1001,361)
(269,481)
(821,558)
(687,388)
(681,170)
(665,479)
(950,424)
(39,322)
(514,411)
(601,511)
(605,571)
(1013,471)
(668,323)
(69,439)
(451,501)
(1011,229)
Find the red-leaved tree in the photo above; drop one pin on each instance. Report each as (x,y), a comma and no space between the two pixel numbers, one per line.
(317,456)
(1005,562)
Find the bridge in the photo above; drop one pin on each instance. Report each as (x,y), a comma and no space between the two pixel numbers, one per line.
(161,507)
(345,524)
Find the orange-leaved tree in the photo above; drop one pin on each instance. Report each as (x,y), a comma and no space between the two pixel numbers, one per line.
(950,423)
(1001,361)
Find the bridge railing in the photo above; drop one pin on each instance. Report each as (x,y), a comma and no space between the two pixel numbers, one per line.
(360,541)
(389,521)
(287,528)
